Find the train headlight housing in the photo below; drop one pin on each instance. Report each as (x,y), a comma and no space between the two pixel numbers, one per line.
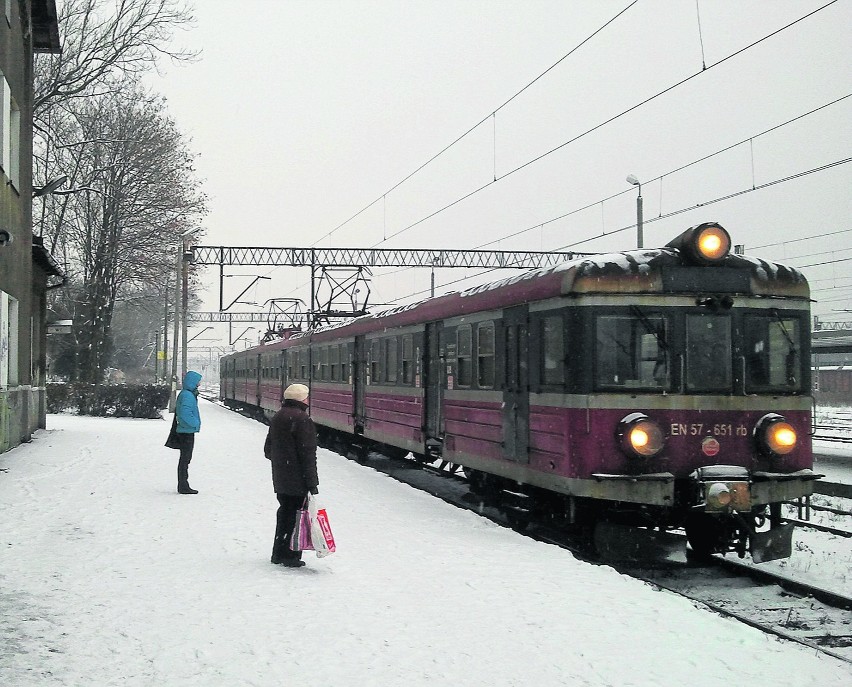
(639,436)
(705,244)
(775,435)
(719,496)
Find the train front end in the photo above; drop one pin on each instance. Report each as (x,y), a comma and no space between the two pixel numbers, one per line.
(702,392)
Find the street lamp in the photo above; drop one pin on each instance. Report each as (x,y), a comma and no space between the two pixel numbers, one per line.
(181,306)
(245,331)
(199,334)
(631,179)
(50,186)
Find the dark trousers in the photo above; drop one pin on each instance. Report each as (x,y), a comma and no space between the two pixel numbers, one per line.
(187,444)
(288,509)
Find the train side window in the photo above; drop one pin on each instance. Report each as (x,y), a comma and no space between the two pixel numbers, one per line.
(553,351)
(773,353)
(334,363)
(344,363)
(485,355)
(391,360)
(407,359)
(463,346)
(708,352)
(376,361)
(631,351)
(324,363)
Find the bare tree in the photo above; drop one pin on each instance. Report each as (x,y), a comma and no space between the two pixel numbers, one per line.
(132,176)
(100,46)
(121,234)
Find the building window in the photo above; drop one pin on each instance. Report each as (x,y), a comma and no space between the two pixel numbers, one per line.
(407,359)
(6,125)
(485,355)
(463,371)
(8,340)
(15,144)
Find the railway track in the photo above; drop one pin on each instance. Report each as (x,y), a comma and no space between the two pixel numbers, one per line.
(775,604)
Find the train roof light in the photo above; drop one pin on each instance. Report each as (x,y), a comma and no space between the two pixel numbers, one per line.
(705,244)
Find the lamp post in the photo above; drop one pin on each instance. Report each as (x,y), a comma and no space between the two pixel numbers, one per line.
(631,179)
(50,186)
(181,303)
(199,334)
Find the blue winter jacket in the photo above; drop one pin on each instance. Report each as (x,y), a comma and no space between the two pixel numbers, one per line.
(186,408)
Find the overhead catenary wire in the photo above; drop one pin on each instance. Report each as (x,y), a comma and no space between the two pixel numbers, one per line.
(600,125)
(492,114)
(668,215)
(540,224)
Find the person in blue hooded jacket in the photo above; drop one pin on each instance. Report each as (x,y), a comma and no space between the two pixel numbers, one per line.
(188,423)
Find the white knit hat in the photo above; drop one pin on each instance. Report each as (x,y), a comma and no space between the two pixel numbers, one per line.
(296,392)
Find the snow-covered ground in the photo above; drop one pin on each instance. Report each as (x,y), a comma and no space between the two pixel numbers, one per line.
(108,577)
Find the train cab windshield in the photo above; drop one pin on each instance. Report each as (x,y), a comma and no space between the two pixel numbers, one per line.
(772,350)
(708,352)
(699,352)
(632,351)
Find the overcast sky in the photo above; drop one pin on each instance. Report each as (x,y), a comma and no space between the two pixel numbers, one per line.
(306,114)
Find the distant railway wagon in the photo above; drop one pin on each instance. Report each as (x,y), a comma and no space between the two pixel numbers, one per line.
(636,392)
(833,387)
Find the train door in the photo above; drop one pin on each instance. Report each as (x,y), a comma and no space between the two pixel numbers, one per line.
(432,365)
(516,398)
(284,374)
(359,378)
(258,361)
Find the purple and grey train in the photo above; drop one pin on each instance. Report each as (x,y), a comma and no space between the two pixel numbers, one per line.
(633,393)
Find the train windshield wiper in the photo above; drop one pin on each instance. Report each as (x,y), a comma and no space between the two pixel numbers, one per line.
(792,344)
(649,326)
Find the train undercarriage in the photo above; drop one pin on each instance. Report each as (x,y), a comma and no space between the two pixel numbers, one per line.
(616,530)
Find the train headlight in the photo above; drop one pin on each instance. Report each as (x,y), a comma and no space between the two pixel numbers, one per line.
(719,496)
(775,435)
(704,244)
(640,436)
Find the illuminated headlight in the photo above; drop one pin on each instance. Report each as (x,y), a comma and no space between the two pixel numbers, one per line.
(775,435)
(640,436)
(704,244)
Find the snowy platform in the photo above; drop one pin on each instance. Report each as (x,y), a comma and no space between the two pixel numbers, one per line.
(109,577)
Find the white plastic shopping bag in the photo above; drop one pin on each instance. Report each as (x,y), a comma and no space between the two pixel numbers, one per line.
(321,536)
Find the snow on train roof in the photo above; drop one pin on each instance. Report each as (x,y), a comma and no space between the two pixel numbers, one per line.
(637,262)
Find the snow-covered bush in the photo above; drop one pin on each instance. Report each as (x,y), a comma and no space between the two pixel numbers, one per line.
(114,400)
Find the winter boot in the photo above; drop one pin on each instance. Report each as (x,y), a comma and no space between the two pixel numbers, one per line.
(183,481)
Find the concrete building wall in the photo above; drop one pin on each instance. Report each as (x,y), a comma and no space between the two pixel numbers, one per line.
(22,283)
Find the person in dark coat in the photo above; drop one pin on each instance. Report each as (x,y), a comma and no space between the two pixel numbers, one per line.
(291,445)
(188,424)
